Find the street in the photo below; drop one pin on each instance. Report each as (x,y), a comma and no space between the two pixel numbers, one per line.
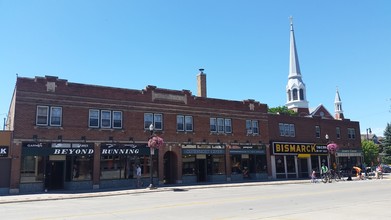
(369,199)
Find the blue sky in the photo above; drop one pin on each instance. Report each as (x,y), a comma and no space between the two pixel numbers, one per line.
(242,45)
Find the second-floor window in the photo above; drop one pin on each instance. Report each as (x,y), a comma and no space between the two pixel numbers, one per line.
(287,130)
(184,123)
(49,116)
(252,127)
(317,131)
(338,132)
(155,119)
(351,133)
(105,119)
(220,125)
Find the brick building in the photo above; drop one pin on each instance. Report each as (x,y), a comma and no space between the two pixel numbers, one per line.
(75,136)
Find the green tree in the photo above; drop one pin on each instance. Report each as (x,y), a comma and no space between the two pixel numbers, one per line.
(371,152)
(387,145)
(283,110)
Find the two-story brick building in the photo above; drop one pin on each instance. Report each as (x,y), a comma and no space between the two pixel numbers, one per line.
(75,136)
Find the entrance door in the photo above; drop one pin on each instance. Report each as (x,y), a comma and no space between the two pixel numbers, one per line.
(170,166)
(54,178)
(303,168)
(201,170)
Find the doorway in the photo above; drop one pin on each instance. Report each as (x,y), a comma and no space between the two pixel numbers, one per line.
(201,170)
(303,168)
(54,175)
(170,168)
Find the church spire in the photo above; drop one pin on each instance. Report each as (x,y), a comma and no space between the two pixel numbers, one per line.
(295,89)
(338,106)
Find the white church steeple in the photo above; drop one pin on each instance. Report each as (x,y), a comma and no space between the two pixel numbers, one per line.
(295,89)
(338,106)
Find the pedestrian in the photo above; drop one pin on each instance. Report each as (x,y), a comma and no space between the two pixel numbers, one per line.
(313,176)
(138,175)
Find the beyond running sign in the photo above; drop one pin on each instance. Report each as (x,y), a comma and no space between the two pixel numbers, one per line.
(298,148)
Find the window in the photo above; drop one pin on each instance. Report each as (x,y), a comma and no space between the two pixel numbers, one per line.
(228,125)
(301,94)
(117,119)
(294,94)
(289,95)
(351,133)
(42,115)
(180,121)
(317,131)
(252,127)
(105,119)
(155,119)
(55,116)
(213,125)
(43,118)
(220,125)
(287,130)
(338,132)
(189,123)
(93,118)
(184,123)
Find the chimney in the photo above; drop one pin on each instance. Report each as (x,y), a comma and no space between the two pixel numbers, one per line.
(201,84)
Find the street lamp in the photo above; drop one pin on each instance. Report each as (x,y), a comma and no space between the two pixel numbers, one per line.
(370,132)
(152,152)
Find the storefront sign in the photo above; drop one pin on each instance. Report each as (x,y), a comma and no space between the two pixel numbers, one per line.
(123,149)
(247,150)
(298,148)
(3,151)
(203,151)
(46,149)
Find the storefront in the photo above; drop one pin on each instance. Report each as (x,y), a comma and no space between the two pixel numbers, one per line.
(348,158)
(203,163)
(70,166)
(297,160)
(56,166)
(118,164)
(247,162)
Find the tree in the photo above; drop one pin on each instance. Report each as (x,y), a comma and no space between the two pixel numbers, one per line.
(371,152)
(387,144)
(283,110)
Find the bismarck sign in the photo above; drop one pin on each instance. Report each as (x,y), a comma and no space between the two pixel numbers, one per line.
(3,151)
(298,148)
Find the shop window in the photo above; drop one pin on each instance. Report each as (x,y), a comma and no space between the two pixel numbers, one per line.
(290,164)
(236,164)
(79,168)
(31,169)
(124,167)
(280,164)
(189,165)
(215,164)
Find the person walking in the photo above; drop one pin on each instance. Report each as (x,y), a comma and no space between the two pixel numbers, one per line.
(138,175)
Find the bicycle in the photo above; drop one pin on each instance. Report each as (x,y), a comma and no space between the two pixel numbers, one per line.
(326,177)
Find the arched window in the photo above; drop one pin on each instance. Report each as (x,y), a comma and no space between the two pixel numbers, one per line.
(289,95)
(294,94)
(301,94)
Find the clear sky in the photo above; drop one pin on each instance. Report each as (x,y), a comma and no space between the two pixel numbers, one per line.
(242,45)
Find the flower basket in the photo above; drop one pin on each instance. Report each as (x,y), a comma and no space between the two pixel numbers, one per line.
(332,148)
(155,142)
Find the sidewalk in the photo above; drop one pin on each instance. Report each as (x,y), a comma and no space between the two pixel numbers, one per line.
(56,195)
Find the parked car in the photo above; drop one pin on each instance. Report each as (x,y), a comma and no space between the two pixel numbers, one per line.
(386,168)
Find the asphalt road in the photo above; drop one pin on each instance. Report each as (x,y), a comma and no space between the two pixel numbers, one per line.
(368,199)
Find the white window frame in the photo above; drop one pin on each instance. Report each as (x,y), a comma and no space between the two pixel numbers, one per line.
(158,121)
(52,111)
(180,123)
(351,133)
(92,118)
(292,130)
(213,125)
(188,123)
(281,127)
(228,125)
(255,126)
(120,119)
(38,116)
(148,120)
(105,120)
(220,125)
